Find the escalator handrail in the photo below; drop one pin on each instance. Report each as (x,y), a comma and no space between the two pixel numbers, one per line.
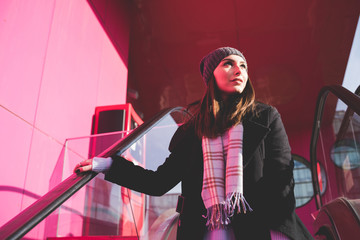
(22,223)
(352,101)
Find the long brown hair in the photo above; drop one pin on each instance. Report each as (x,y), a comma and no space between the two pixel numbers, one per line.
(215,115)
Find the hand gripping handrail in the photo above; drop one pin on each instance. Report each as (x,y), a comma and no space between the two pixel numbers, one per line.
(352,101)
(22,223)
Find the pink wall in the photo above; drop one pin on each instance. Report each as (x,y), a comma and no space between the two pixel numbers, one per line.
(56,65)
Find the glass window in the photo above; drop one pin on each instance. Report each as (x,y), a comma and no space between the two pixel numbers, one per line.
(304,190)
(346,154)
(303,181)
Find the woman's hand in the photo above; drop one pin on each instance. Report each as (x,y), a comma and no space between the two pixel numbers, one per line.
(84,166)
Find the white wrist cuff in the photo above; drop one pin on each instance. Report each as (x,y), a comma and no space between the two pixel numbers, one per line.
(101,164)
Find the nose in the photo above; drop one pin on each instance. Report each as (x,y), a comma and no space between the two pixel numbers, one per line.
(237,70)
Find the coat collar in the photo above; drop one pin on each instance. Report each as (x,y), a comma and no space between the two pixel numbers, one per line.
(254,134)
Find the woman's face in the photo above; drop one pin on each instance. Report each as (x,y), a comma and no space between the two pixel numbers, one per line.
(231,75)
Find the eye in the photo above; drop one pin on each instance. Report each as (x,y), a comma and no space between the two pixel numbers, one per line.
(243,66)
(228,63)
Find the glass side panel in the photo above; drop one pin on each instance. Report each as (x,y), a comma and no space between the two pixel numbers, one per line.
(105,209)
(338,150)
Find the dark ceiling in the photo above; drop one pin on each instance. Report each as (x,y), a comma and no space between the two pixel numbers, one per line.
(293,48)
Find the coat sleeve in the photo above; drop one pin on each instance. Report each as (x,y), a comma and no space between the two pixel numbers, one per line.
(155,183)
(277,201)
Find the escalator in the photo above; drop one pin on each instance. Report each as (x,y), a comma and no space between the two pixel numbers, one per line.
(335,164)
(85,206)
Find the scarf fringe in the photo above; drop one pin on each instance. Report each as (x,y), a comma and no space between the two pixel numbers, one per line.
(237,200)
(218,216)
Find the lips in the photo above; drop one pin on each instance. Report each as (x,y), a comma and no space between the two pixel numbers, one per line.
(237,80)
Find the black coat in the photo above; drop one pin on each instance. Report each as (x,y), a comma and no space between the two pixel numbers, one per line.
(268,179)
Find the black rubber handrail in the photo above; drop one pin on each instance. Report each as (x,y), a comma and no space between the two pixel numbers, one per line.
(22,223)
(353,103)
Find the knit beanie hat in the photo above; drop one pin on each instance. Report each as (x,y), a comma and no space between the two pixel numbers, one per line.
(212,60)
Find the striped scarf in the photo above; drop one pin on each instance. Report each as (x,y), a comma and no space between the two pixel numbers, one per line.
(222,190)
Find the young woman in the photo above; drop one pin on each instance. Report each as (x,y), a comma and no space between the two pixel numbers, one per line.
(233,159)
